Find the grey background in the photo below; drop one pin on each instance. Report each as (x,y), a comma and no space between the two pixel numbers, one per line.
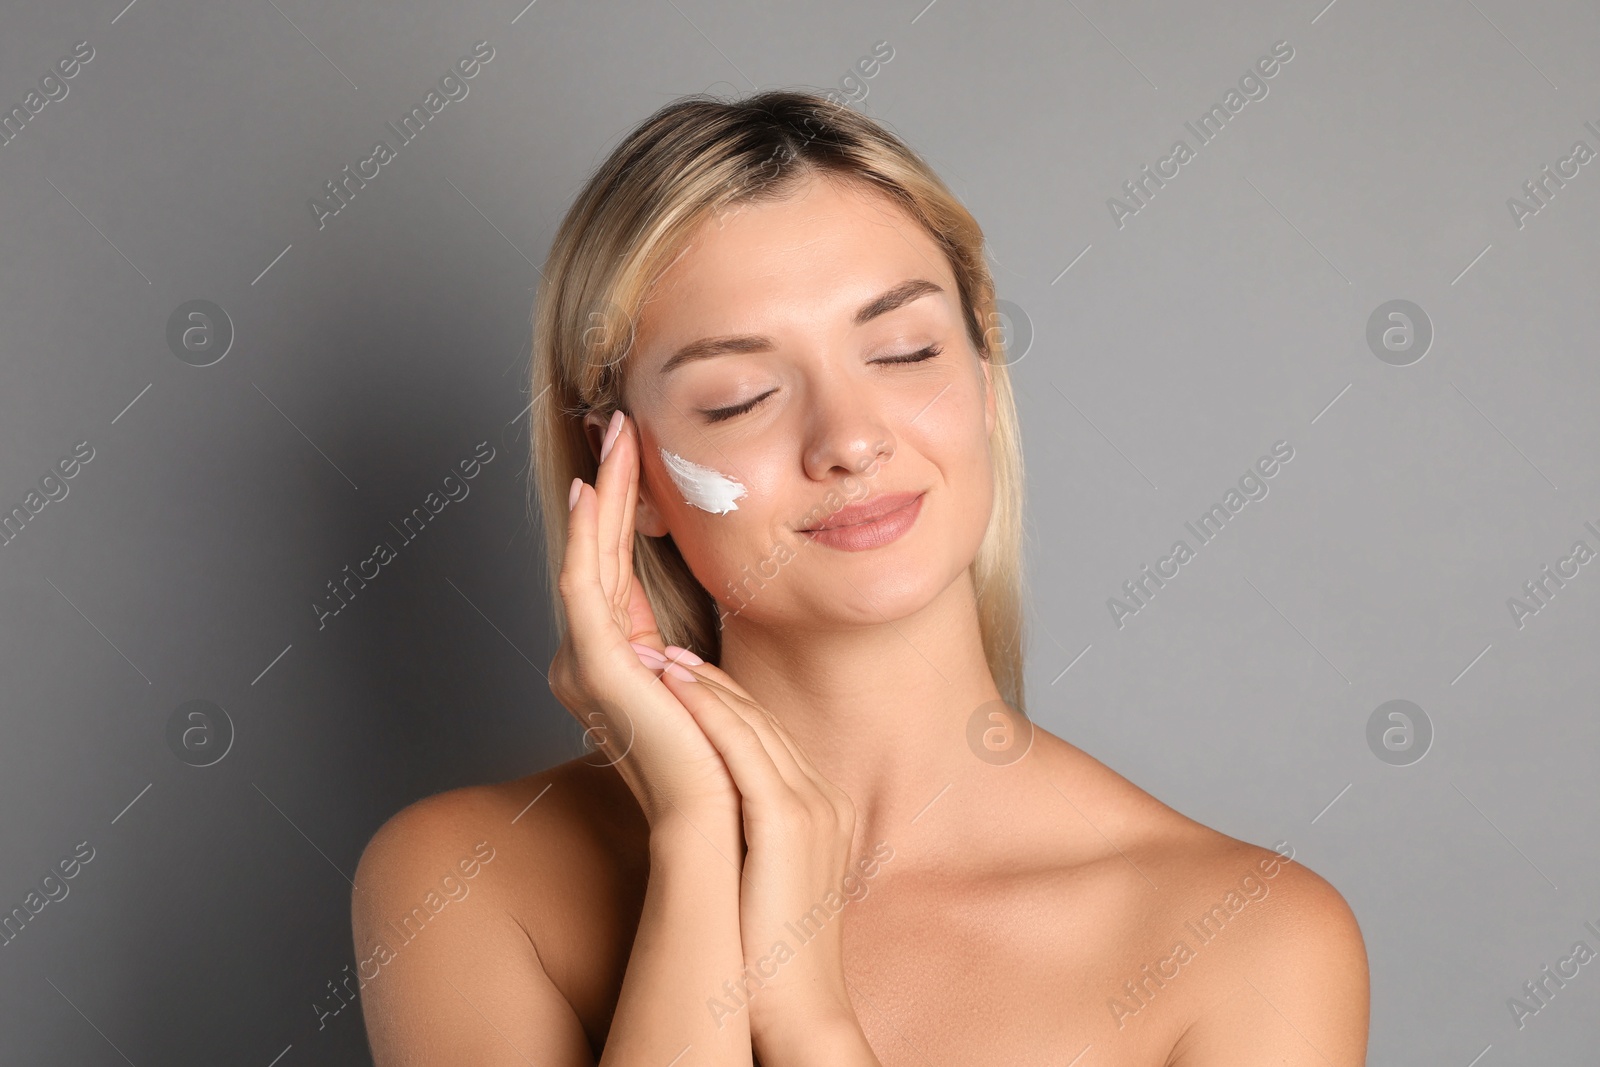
(375,353)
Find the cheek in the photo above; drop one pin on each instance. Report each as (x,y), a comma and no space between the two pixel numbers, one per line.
(952,431)
(953,436)
(723,547)
(735,561)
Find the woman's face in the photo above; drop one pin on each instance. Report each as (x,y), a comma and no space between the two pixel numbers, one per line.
(843,379)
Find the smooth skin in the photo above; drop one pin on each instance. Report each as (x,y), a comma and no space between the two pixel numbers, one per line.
(723,804)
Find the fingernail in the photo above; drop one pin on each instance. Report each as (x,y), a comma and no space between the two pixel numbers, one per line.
(650,663)
(572,494)
(646,650)
(611,434)
(683,674)
(683,655)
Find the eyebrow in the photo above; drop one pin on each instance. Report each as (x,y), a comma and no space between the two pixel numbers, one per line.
(882,304)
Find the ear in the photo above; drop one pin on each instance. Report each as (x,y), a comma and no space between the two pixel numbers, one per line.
(594,429)
(647,518)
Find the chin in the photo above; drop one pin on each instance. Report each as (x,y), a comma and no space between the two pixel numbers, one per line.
(849,589)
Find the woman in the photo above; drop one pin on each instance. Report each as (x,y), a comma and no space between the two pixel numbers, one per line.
(817,828)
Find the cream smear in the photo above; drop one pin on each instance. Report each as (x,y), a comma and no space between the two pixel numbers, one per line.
(702,487)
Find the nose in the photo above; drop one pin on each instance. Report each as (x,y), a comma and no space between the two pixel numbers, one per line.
(848,430)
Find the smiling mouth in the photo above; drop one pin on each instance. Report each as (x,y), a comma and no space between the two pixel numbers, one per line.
(869,525)
(864,513)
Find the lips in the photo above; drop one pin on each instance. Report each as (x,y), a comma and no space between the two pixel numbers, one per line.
(864,512)
(868,525)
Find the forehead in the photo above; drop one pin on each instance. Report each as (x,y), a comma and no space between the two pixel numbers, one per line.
(807,261)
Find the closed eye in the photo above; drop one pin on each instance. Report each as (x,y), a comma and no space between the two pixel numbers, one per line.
(920,356)
(721,414)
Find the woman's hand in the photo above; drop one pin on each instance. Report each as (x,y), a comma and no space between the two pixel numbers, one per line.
(698,752)
(798,830)
(599,672)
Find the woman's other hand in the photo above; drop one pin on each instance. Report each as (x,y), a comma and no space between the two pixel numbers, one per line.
(799,830)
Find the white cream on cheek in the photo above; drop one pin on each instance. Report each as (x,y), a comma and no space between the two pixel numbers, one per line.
(702,487)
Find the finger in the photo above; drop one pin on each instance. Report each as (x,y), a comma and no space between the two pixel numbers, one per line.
(587,610)
(648,655)
(780,749)
(708,671)
(641,617)
(711,674)
(632,461)
(793,764)
(761,719)
(749,761)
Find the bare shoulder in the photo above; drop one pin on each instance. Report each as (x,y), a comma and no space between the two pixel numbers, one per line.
(1288,981)
(496,901)
(570,810)
(563,842)
(1249,954)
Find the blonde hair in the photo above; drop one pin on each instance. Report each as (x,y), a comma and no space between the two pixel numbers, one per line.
(693,158)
